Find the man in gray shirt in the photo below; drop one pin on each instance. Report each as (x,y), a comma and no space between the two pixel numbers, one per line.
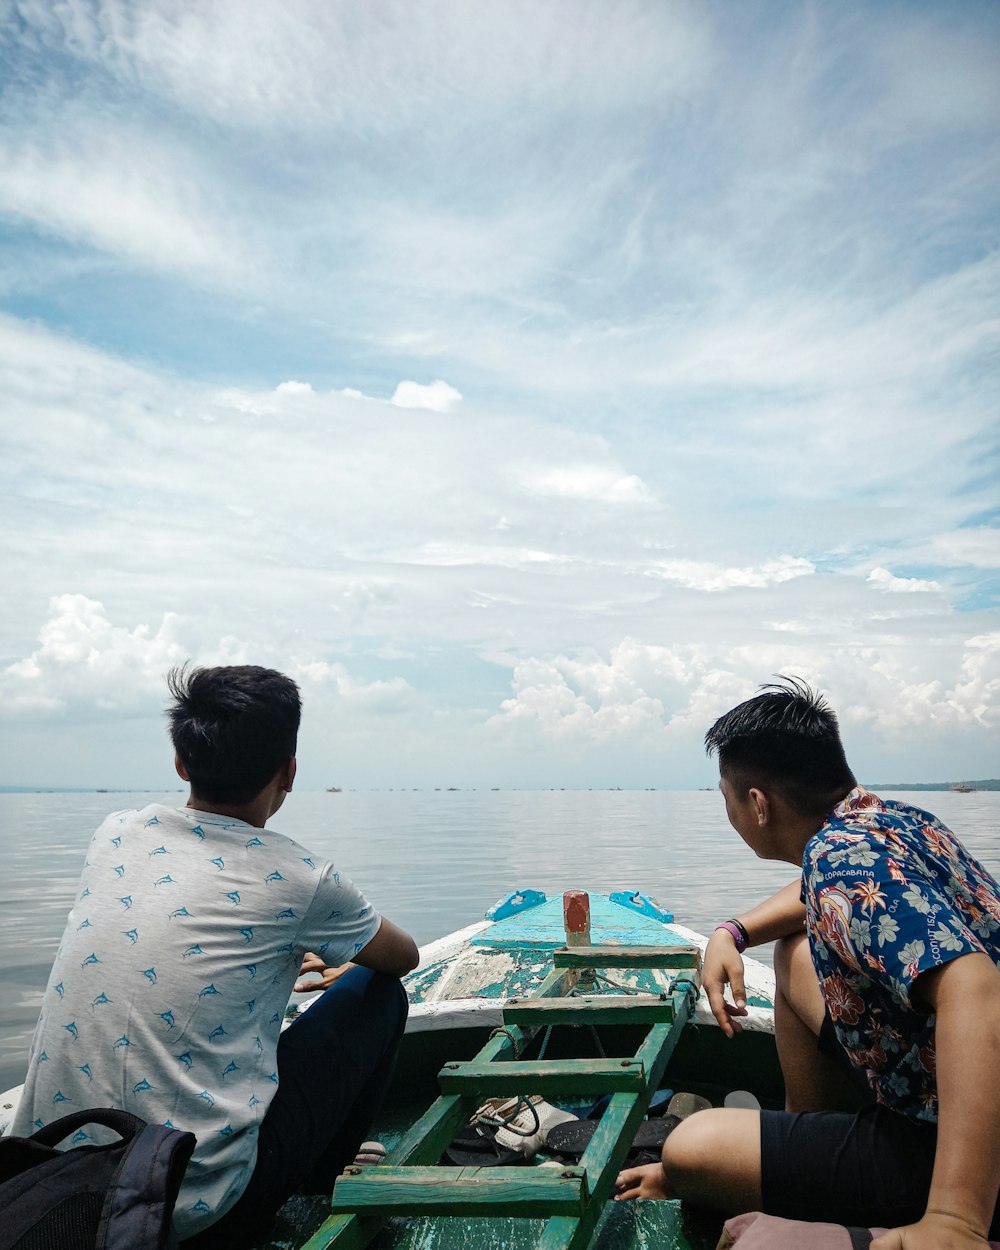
(188,932)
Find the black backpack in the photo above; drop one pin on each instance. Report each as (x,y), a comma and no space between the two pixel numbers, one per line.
(115,1197)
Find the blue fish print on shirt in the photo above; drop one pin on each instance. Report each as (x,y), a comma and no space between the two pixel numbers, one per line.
(363,912)
(247,935)
(153,820)
(208,991)
(72,1030)
(287,914)
(126,901)
(79,1136)
(201,1207)
(217,1033)
(100,1000)
(150,975)
(192,950)
(132,935)
(228,1131)
(198,832)
(273,1077)
(121,1043)
(276,1018)
(219,862)
(168,1018)
(43,1056)
(252,969)
(335,915)
(273,876)
(85,1069)
(253,842)
(253,1101)
(307,859)
(286,949)
(59,989)
(84,925)
(160,850)
(231,1066)
(141,1086)
(116,841)
(336,877)
(205,1096)
(323,948)
(234,897)
(38,1123)
(85,892)
(358,946)
(181,911)
(251,1005)
(186,1059)
(257,1044)
(59,1096)
(167,880)
(120,870)
(91,959)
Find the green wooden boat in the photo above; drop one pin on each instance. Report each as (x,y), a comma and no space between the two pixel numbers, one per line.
(516,1004)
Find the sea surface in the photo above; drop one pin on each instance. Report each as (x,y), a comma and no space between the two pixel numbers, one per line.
(431,861)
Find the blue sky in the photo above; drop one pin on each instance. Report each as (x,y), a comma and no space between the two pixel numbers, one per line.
(530,381)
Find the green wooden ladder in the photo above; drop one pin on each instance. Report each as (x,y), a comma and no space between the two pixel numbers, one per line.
(573,1198)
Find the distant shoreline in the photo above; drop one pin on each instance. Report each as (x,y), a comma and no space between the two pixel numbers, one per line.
(992,783)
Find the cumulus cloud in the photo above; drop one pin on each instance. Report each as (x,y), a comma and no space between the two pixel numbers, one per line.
(712,577)
(599,482)
(882,579)
(437,397)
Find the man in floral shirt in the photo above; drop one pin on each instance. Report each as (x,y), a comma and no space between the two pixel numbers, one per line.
(888,971)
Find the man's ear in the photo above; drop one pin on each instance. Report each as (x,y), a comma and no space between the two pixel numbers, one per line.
(182,772)
(762,806)
(291,770)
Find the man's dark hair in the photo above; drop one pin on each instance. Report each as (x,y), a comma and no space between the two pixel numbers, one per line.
(785,739)
(232,728)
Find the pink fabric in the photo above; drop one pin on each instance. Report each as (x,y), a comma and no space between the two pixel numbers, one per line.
(755,1231)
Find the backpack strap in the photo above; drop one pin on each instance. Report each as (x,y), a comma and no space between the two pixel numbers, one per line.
(140,1200)
(120,1122)
(861,1238)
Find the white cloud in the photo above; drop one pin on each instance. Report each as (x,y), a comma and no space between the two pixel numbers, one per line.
(882,579)
(297,388)
(437,396)
(712,577)
(600,482)
(977,546)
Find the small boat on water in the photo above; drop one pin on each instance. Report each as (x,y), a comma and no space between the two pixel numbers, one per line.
(529,1001)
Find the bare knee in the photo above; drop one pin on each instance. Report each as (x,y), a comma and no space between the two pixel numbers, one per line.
(713,1159)
(796,980)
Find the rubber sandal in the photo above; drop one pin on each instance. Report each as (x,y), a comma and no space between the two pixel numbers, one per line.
(742,1098)
(569,1141)
(684,1104)
(476,1147)
(370,1154)
(527,1123)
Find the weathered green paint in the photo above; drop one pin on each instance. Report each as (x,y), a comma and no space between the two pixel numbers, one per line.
(590,1009)
(518,1191)
(627,957)
(555,1078)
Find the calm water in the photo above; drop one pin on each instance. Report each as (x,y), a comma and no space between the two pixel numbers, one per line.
(431,861)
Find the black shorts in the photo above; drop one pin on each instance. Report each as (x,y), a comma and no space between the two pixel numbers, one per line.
(872,1168)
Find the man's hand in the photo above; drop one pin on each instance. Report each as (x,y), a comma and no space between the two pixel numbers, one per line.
(936,1231)
(314,963)
(722,966)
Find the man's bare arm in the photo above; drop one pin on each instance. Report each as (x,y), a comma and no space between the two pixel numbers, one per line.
(391,950)
(965,993)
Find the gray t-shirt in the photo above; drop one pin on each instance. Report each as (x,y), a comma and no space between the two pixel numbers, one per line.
(168,990)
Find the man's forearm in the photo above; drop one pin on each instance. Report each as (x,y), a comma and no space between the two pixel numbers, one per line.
(966,997)
(778,916)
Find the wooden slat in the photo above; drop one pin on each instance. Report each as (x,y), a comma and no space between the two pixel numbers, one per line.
(552,1077)
(605,1155)
(590,1009)
(627,957)
(467,1191)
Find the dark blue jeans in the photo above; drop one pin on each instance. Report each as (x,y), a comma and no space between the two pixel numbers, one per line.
(334,1066)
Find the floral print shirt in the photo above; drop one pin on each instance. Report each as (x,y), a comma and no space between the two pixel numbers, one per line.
(890,893)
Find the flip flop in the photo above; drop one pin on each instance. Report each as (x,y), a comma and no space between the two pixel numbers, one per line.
(476,1147)
(742,1098)
(569,1141)
(682,1105)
